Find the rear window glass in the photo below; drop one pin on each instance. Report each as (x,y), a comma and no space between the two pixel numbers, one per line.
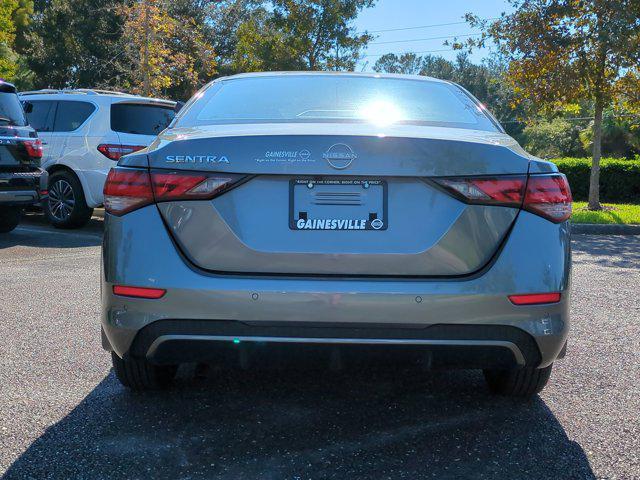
(140,119)
(327,98)
(41,115)
(71,115)
(11,112)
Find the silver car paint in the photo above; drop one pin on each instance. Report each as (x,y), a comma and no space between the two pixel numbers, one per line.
(430,233)
(238,232)
(139,251)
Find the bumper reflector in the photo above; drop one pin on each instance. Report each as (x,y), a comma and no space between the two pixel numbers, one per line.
(535,298)
(138,292)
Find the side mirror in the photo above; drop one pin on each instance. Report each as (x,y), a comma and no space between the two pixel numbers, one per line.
(178,106)
(27,107)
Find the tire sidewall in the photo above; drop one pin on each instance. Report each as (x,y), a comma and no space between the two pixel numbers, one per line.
(80,214)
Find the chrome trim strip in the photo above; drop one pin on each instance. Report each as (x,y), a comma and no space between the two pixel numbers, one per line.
(345,341)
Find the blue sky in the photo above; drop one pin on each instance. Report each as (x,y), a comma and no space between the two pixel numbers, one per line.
(394,14)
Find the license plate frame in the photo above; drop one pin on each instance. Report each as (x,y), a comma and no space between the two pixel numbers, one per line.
(373,222)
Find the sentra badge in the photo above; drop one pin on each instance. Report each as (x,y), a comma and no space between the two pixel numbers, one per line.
(197,159)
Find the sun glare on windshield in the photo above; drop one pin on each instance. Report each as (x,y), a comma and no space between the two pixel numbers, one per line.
(381,113)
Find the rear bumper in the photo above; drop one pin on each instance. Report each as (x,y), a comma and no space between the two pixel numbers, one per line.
(175,341)
(470,317)
(22,188)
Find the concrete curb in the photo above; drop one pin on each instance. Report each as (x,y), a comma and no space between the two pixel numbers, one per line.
(597,229)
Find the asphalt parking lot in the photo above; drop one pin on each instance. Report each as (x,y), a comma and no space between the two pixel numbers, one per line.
(63,414)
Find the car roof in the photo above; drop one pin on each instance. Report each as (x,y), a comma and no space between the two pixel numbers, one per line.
(6,87)
(95,93)
(340,74)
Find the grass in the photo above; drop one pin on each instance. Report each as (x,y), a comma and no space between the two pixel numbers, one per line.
(613,213)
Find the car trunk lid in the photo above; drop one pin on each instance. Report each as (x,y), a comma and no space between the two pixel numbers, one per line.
(352,204)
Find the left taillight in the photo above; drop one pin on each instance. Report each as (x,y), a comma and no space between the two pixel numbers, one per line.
(115,151)
(128,189)
(34,148)
(171,186)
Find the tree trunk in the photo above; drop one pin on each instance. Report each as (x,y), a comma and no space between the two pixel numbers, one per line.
(145,52)
(594,183)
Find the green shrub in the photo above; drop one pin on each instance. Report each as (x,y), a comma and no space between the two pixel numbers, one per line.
(619,178)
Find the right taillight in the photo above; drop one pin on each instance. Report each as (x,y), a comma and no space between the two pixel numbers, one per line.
(116,151)
(546,195)
(34,148)
(128,189)
(549,196)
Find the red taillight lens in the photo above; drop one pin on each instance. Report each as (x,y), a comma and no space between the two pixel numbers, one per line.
(549,196)
(535,298)
(115,152)
(506,191)
(34,148)
(127,189)
(139,292)
(170,186)
(546,195)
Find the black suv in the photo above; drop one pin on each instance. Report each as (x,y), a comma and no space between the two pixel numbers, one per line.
(22,182)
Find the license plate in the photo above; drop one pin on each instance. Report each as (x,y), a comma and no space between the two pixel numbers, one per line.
(338,204)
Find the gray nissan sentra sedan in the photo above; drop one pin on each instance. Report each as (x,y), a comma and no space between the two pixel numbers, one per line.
(336,211)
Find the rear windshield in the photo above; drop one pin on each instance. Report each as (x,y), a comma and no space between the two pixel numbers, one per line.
(140,119)
(326,98)
(11,112)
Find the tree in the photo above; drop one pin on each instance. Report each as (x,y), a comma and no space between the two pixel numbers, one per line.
(165,49)
(15,16)
(224,19)
(562,51)
(552,139)
(301,35)
(406,64)
(75,43)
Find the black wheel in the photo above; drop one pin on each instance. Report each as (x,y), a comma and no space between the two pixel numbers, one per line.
(522,382)
(140,375)
(66,207)
(9,218)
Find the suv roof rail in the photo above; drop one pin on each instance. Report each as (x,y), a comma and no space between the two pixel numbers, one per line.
(85,91)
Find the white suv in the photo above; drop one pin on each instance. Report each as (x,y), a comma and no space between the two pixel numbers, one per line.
(84,133)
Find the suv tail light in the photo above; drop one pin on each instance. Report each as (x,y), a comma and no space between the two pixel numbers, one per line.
(546,195)
(115,152)
(33,147)
(128,189)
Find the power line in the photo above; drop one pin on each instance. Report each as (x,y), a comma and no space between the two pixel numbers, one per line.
(425,39)
(417,53)
(425,26)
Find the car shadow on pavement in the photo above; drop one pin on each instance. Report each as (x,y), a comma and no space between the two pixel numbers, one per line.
(371,424)
(34,231)
(607,250)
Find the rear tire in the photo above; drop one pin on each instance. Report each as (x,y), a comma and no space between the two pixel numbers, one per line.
(140,375)
(9,218)
(522,382)
(66,206)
